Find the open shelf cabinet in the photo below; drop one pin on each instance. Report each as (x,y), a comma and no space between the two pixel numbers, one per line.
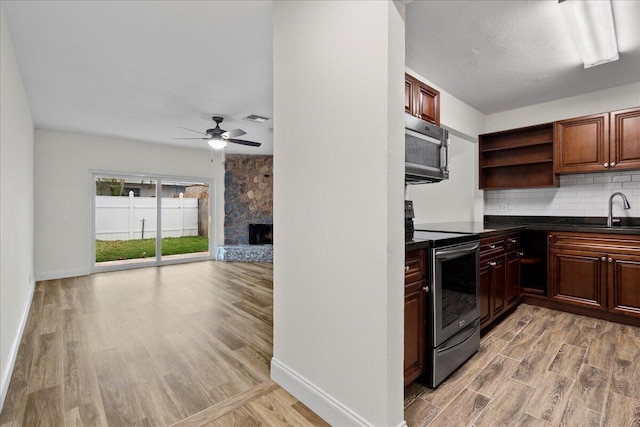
(533,263)
(517,158)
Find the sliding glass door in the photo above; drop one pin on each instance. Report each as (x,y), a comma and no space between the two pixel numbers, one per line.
(185,219)
(141,220)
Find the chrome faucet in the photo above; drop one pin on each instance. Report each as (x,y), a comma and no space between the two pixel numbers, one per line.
(626,206)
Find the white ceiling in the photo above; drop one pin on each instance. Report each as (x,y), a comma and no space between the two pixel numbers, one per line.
(140,69)
(501,55)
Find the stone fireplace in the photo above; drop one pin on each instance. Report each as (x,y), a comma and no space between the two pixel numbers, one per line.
(248,208)
(248,195)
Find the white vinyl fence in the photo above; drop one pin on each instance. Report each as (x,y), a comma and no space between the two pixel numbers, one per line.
(123,218)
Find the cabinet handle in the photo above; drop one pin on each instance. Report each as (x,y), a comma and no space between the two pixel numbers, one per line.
(426,288)
(513,241)
(492,264)
(406,267)
(603,259)
(610,260)
(492,246)
(606,165)
(520,253)
(612,165)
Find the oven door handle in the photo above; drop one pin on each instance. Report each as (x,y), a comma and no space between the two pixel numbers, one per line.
(462,340)
(452,253)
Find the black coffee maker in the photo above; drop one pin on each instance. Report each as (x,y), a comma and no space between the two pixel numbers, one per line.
(408,220)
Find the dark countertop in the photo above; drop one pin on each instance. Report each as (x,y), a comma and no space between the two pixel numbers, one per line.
(495,224)
(484,230)
(428,239)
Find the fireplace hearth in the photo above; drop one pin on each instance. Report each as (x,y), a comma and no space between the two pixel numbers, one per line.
(261,234)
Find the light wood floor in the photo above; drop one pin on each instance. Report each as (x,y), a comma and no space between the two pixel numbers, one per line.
(191,344)
(540,367)
(142,347)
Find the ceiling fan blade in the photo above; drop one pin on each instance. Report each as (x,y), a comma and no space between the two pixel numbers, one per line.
(243,142)
(233,133)
(192,138)
(196,131)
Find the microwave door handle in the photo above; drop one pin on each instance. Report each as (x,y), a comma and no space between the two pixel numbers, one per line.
(444,157)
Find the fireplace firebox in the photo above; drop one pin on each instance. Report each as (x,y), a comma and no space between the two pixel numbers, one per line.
(261,234)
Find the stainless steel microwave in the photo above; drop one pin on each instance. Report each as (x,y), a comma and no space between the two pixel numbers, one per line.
(426,151)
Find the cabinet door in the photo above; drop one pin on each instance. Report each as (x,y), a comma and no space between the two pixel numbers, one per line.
(512,286)
(625,139)
(498,287)
(582,144)
(414,331)
(624,284)
(428,104)
(485,295)
(409,94)
(578,277)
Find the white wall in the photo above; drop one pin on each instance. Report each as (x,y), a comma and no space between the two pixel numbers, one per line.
(16,207)
(339,252)
(458,198)
(616,98)
(62,190)
(451,199)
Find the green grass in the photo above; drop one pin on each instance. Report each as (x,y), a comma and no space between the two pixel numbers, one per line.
(114,250)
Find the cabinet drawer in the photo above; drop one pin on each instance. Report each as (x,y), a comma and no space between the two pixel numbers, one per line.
(491,246)
(512,241)
(415,266)
(596,241)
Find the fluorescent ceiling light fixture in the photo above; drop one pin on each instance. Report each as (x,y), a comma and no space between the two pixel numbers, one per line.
(217,144)
(591,25)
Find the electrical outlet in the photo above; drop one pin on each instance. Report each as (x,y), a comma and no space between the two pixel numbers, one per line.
(503,207)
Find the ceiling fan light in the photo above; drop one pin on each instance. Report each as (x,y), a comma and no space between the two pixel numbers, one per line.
(592,29)
(217,144)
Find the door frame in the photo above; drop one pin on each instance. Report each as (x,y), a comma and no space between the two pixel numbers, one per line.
(93,174)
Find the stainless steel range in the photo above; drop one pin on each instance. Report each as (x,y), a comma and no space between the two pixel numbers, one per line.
(453,301)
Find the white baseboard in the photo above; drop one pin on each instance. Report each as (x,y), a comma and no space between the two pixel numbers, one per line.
(62,274)
(15,346)
(323,404)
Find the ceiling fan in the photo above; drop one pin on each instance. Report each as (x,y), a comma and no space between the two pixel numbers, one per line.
(218,138)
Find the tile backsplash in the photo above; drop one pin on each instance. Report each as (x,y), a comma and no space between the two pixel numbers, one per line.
(577,195)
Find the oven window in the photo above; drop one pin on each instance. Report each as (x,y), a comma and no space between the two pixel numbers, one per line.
(458,288)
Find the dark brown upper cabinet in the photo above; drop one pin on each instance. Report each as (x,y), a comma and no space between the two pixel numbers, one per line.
(597,143)
(421,100)
(517,158)
(624,147)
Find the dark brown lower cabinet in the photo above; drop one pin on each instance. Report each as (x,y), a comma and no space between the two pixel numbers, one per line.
(624,285)
(492,290)
(485,294)
(499,276)
(512,281)
(415,272)
(414,331)
(597,272)
(578,277)
(497,285)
